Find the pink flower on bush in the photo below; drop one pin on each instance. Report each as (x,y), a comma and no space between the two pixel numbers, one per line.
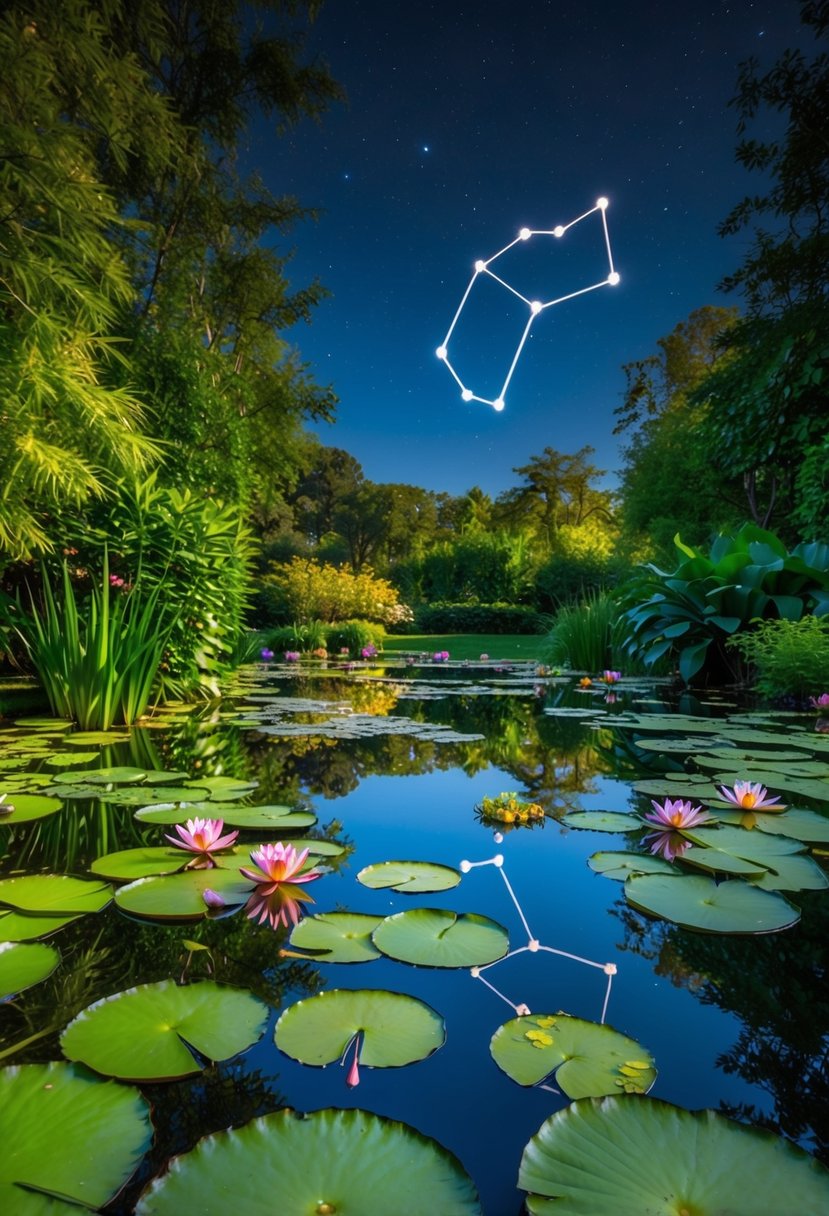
(676,813)
(751,797)
(115,580)
(202,837)
(291,656)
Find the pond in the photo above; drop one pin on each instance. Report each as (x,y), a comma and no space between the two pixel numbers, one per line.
(391,762)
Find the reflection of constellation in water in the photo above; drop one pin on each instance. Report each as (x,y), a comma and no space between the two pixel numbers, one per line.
(533,944)
(535,306)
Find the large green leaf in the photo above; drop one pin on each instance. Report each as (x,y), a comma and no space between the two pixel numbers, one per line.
(806,826)
(268,818)
(394,1029)
(337,937)
(28,927)
(23,966)
(622,865)
(631,1156)
(55,894)
(433,937)
(20,808)
(409,877)
(70,1141)
(181,896)
(584,1058)
(331,1161)
(700,903)
(151,1033)
(602,821)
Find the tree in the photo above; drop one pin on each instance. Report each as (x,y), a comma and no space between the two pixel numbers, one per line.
(558,492)
(768,415)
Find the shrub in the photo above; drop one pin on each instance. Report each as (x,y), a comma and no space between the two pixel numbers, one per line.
(304,590)
(354,636)
(690,613)
(304,638)
(584,636)
(479,618)
(789,658)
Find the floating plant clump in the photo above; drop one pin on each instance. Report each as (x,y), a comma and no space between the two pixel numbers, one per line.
(509,808)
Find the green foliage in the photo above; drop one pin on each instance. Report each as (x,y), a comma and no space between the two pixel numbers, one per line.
(789,658)
(97,663)
(354,635)
(479,618)
(565,579)
(302,637)
(558,492)
(690,613)
(476,567)
(305,590)
(584,636)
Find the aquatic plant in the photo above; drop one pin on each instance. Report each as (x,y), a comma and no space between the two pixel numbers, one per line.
(672,814)
(751,797)
(202,837)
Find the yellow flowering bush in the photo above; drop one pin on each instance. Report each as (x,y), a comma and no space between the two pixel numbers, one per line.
(306,590)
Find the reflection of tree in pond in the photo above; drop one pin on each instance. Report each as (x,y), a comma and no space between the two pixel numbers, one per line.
(776,985)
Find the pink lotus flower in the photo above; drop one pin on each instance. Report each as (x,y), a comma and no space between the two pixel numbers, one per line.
(611,677)
(202,837)
(291,656)
(676,814)
(278,905)
(751,797)
(821,702)
(278,863)
(669,845)
(213,899)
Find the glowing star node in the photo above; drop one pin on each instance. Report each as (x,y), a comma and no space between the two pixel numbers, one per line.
(465,867)
(536,307)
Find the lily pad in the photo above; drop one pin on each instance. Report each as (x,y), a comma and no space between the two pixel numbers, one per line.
(622,865)
(328,1161)
(602,821)
(147,795)
(394,1029)
(181,896)
(700,903)
(61,759)
(24,927)
(129,864)
(224,787)
(82,738)
(27,807)
(268,818)
(70,1141)
(628,1156)
(337,937)
(433,937)
(585,1059)
(409,877)
(22,966)
(55,894)
(158,1032)
(806,826)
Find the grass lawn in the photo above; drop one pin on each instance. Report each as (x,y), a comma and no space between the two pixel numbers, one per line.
(469,645)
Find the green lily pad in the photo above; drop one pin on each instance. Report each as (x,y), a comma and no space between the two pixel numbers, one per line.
(22,966)
(271,818)
(61,759)
(55,894)
(629,1156)
(152,1032)
(25,927)
(684,746)
(328,1161)
(27,807)
(806,826)
(317,848)
(70,1141)
(409,877)
(147,795)
(120,775)
(226,787)
(602,821)
(163,776)
(622,865)
(181,896)
(699,903)
(715,861)
(813,788)
(751,846)
(797,873)
(129,864)
(433,937)
(337,937)
(53,725)
(686,785)
(82,738)
(394,1029)
(584,1058)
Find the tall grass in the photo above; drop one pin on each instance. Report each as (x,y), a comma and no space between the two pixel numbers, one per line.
(98,662)
(584,636)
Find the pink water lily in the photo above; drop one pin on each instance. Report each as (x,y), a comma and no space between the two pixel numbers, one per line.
(676,813)
(202,837)
(277,905)
(821,702)
(751,797)
(669,845)
(276,863)
(611,677)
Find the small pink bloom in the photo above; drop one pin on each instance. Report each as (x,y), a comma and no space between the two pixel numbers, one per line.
(751,797)
(611,677)
(676,814)
(369,652)
(821,702)
(353,1077)
(213,899)
(278,863)
(484,658)
(291,656)
(202,837)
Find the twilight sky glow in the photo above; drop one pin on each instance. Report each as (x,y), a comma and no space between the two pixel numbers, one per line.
(467,121)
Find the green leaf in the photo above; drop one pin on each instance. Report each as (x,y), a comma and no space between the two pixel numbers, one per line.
(432,937)
(337,937)
(700,903)
(622,865)
(55,894)
(27,927)
(22,808)
(329,1161)
(409,877)
(68,1139)
(628,1156)
(272,818)
(23,966)
(150,1033)
(602,821)
(181,896)
(583,1058)
(394,1029)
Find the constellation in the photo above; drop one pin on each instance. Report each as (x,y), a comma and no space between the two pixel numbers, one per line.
(533,945)
(536,307)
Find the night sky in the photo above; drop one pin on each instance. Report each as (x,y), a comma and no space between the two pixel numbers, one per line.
(465,122)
